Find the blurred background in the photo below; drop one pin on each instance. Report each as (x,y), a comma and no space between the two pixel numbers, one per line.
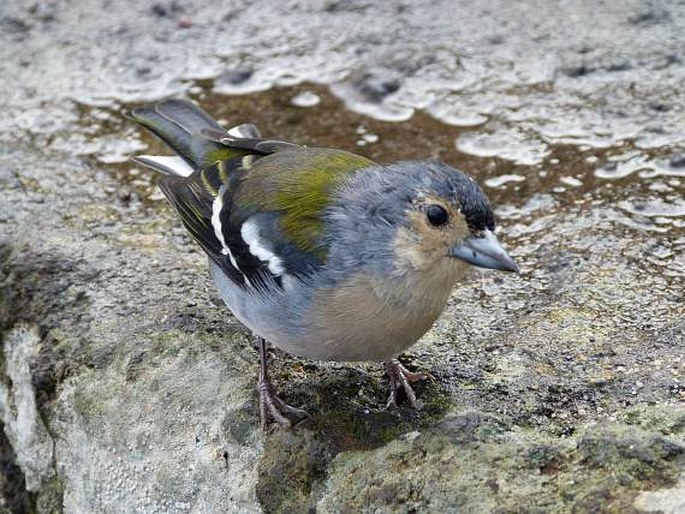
(126,387)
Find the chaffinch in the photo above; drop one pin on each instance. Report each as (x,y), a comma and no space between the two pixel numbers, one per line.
(321,252)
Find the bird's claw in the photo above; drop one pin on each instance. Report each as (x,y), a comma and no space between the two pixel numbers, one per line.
(272,407)
(401,378)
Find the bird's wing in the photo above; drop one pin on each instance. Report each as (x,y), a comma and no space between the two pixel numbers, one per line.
(253,204)
(258,215)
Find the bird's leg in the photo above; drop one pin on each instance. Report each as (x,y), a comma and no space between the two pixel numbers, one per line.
(270,405)
(401,378)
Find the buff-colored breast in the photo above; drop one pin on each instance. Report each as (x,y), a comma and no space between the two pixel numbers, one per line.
(367,319)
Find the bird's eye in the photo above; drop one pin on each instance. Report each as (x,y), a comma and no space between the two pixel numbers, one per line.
(436,214)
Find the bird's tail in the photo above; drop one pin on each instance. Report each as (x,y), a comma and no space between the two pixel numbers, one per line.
(188,130)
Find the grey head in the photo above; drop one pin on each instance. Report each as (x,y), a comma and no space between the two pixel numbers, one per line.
(417,215)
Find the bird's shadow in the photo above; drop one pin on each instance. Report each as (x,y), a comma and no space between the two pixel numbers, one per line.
(348,403)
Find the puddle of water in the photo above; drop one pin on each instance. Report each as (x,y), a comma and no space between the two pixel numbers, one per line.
(570,175)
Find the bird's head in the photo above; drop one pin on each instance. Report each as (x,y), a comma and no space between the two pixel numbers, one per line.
(446,218)
(416,216)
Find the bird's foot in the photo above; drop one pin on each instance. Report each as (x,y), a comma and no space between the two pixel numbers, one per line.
(401,379)
(272,407)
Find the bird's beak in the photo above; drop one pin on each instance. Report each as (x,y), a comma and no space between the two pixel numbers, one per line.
(484,251)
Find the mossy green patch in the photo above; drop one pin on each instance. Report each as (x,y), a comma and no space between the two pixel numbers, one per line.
(667,419)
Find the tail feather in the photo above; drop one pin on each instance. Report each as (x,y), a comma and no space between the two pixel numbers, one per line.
(166,164)
(197,138)
(179,124)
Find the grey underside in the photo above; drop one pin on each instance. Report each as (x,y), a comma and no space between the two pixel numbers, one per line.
(287,318)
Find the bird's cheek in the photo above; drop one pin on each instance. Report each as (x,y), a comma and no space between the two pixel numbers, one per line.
(409,253)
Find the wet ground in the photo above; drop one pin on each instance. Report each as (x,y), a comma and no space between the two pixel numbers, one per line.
(561,389)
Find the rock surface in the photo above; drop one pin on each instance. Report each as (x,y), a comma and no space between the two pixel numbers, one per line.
(125,386)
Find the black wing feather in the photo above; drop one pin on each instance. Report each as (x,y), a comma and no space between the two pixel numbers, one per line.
(193,198)
(218,157)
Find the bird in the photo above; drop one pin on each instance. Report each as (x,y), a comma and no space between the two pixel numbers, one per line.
(320,252)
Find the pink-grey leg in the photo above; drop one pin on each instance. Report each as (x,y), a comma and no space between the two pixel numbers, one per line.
(270,405)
